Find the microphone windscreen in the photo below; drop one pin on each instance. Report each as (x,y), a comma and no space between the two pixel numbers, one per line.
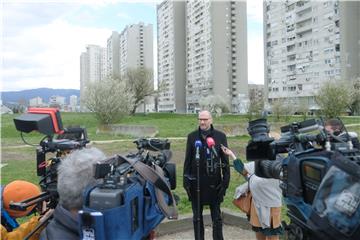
(210,142)
(198,144)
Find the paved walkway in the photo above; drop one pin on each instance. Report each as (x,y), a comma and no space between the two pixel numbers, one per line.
(236,227)
(230,233)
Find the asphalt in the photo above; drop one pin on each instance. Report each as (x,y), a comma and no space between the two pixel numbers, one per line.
(236,227)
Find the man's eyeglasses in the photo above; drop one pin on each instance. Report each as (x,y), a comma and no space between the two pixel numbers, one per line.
(203,119)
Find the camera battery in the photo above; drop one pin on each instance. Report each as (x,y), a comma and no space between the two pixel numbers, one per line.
(105,198)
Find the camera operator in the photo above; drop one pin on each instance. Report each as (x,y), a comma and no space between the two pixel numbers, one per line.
(265,210)
(336,130)
(204,162)
(75,173)
(18,191)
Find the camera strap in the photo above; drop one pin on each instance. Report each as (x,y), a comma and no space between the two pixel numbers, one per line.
(155,176)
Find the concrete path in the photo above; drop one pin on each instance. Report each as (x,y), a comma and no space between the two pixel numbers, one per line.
(230,233)
(236,227)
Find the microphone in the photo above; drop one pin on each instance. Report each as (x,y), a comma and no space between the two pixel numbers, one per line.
(198,145)
(211,143)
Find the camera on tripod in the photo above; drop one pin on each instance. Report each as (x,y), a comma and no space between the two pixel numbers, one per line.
(320,179)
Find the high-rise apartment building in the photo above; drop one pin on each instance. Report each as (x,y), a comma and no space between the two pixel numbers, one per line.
(216,42)
(113,54)
(210,38)
(92,66)
(136,47)
(308,43)
(171,43)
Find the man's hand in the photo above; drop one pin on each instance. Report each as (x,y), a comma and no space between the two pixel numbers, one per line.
(221,190)
(187,189)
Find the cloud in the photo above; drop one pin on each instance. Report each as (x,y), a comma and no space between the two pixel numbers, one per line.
(47,55)
(255,59)
(255,42)
(123,15)
(255,11)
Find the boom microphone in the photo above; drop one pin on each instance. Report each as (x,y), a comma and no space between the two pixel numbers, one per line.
(211,143)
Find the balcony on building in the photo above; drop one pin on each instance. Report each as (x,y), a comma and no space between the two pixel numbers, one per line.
(302,5)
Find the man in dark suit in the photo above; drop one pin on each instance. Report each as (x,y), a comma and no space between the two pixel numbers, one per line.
(203,152)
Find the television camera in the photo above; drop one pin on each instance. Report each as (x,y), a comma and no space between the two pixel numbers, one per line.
(134,195)
(136,187)
(319,173)
(58,141)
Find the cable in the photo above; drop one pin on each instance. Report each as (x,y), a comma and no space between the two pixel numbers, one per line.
(33,145)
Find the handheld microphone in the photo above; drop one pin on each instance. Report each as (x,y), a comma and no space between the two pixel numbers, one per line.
(198,145)
(211,143)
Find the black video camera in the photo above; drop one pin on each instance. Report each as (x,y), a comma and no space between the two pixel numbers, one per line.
(320,179)
(57,140)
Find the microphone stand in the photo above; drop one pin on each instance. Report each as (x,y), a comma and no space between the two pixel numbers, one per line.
(197,158)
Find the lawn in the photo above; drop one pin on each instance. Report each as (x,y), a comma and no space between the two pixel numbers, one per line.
(19,160)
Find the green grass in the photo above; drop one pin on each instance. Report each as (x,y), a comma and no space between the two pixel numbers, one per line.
(21,160)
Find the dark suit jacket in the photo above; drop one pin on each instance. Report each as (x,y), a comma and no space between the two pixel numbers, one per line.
(213,186)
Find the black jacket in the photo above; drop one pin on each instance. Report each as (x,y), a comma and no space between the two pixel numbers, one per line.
(213,185)
(63,226)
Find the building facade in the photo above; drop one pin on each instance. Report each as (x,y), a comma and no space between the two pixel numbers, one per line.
(216,42)
(308,43)
(92,66)
(210,38)
(36,102)
(136,47)
(171,43)
(113,54)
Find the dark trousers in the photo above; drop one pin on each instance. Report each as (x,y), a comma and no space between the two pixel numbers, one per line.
(215,217)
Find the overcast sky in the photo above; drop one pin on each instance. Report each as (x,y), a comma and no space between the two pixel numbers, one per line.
(42,40)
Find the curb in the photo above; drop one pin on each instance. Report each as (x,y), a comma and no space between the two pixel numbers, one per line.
(185,222)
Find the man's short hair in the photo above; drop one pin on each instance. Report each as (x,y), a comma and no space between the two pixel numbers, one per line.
(75,173)
(335,124)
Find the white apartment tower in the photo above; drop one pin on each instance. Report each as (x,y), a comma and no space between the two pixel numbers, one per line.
(136,47)
(73,100)
(113,55)
(308,43)
(92,66)
(171,44)
(216,42)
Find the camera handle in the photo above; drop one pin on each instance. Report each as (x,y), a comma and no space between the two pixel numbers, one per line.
(41,224)
(155,177)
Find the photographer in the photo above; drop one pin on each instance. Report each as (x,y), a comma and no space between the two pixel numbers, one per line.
(206,174)
(335,129)
(75,173)
(265,210)
(18,191)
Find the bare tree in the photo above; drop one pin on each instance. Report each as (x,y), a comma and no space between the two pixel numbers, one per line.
(109,99)
(214,103)
(140,82)
(333,98)
(254,108)
(281,107)
(302,107)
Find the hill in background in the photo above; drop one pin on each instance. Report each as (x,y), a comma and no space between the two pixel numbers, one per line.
(44,93)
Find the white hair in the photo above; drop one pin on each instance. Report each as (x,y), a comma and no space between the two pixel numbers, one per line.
(75,173)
